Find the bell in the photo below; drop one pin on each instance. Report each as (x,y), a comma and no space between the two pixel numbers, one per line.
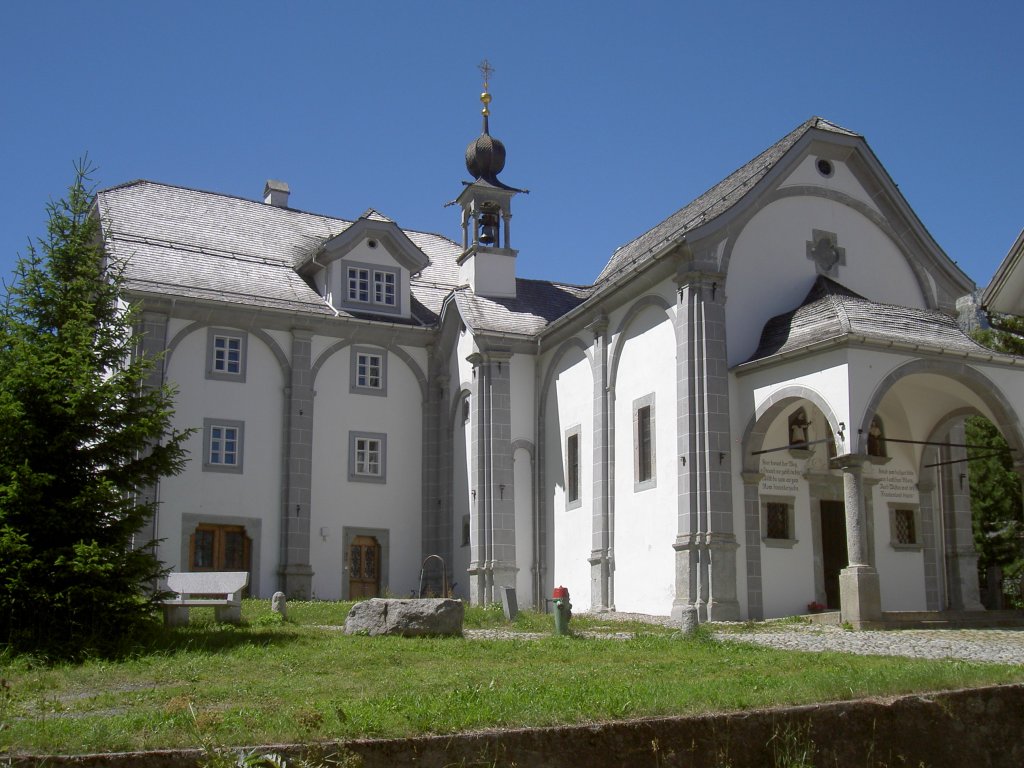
(489,229)
(488,235)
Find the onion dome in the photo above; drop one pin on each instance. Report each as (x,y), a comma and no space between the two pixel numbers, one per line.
(485,155)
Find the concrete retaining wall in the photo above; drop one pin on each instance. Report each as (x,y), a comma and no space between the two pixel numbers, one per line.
(979,727)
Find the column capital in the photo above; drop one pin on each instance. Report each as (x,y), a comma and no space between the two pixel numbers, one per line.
(598,325)
(752,478)
(850,461)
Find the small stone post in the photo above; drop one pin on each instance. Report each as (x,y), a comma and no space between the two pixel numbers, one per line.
(279,604)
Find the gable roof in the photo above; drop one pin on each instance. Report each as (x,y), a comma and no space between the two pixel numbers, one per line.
(177,241)
(1005,292)
(832,312)
(716,201)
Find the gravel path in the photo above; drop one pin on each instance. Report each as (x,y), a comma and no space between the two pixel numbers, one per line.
(1005,646)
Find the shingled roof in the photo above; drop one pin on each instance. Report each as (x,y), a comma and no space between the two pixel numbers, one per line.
(832,312)
(713,203)
(537,303)
(203,245)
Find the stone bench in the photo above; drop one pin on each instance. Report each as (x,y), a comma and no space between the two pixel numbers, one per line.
(221,591)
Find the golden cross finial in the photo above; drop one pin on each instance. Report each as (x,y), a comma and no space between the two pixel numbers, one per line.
(486,70)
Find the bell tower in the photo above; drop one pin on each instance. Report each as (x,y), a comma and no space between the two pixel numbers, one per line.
(488,262)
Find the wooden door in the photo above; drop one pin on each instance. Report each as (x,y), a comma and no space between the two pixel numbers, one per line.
(833,548)
(363,568)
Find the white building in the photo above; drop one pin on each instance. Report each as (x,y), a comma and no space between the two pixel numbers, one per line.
(758,404)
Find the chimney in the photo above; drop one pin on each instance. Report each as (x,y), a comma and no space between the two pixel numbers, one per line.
(276,193)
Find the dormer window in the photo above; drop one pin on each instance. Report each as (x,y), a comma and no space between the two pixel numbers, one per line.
(374,286)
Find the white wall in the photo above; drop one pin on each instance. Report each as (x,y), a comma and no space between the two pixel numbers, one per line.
(569,403)
(646,521)
(787,573)
(769,272)
(338,502)
(256,492)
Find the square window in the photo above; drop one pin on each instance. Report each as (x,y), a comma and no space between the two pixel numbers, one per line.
(367,456)
(372,288)
(367,461)
(369,371)
(222,442)
(777,520)
(358,284)
(905,527)
(225,354)
(384,288)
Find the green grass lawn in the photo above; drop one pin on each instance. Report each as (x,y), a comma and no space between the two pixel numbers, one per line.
(303,681)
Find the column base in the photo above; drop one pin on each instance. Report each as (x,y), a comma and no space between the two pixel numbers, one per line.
(860,596)
(297,581)
(599,598)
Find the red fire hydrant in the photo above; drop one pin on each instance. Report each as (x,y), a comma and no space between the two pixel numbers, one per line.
(563,610)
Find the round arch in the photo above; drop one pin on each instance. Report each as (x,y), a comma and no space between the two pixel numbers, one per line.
(764,416)
(398,352)
(259,333)
(645,302)
(1005,418)
(924,284)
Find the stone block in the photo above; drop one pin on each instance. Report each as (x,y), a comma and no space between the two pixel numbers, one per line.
(406,617)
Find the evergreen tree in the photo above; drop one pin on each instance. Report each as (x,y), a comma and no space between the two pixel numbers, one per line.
(80,435)
(996,501)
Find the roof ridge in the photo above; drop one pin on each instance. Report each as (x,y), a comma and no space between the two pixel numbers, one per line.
(740,177)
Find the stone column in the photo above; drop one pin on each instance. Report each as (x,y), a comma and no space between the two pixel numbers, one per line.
(295,572)
(152,344)
(860,594)
(925,489)
(961,557)
(600,572)
(705,543)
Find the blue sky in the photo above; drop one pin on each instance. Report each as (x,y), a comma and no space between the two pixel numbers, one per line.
(614,114)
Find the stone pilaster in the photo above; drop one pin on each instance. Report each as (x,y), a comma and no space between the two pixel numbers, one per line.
(752,519)
(295,572)
(860,594)
(502,474)
(600,571)
(492,518)
(436,512)
(479,551)
(961,556)
(705,542)
(152,344)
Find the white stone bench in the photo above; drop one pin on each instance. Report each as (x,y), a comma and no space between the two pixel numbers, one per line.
(221,591)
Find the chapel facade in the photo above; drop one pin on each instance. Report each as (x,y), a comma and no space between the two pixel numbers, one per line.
(757,405)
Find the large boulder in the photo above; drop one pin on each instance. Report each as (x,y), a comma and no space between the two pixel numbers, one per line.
(408,618)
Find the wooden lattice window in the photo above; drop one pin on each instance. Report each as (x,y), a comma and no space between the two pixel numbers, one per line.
(220,548)
(777,521)
(904,529)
